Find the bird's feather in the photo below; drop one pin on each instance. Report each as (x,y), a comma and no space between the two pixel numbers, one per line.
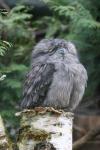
(37,84)
(79,84)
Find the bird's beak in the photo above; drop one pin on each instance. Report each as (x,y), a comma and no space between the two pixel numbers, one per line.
(62,51)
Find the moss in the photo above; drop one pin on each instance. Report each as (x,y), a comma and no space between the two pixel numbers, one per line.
(38,135)
(33,133)
(5,144)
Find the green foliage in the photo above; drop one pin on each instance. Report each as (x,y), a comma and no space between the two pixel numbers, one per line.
(4,46)
(14,27)
(75,14)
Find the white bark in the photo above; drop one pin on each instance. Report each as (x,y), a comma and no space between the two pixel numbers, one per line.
(4,142)
(45,124)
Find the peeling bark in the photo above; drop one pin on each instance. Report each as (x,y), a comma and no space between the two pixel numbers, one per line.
(45,129)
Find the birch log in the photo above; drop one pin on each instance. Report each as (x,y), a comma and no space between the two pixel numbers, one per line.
(45,129)
(5,143)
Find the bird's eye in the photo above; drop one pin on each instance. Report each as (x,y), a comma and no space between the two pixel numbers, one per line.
(53,49)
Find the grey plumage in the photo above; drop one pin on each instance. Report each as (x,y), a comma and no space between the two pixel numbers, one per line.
(56,78)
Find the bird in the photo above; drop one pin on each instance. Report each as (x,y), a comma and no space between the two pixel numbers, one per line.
(56,77)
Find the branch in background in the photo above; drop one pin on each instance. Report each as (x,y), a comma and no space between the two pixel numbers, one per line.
(89,136)
(79,129)
(4,5)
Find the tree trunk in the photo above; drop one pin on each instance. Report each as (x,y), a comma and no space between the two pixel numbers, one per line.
(45,129)
(5,143)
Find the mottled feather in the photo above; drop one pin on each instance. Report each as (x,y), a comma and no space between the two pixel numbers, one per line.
(36,85)
(56,78)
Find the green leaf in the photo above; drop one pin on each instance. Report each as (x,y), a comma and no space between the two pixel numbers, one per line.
(13,83)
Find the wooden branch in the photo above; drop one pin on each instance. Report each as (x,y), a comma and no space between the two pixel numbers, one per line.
(89,136)
(45,129)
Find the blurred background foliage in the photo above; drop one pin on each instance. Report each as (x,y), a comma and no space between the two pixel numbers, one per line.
(25,23)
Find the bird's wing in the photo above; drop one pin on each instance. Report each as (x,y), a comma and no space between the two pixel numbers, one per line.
(37,84)
(79,84)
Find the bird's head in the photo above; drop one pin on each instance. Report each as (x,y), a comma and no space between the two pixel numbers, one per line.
(59,47)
